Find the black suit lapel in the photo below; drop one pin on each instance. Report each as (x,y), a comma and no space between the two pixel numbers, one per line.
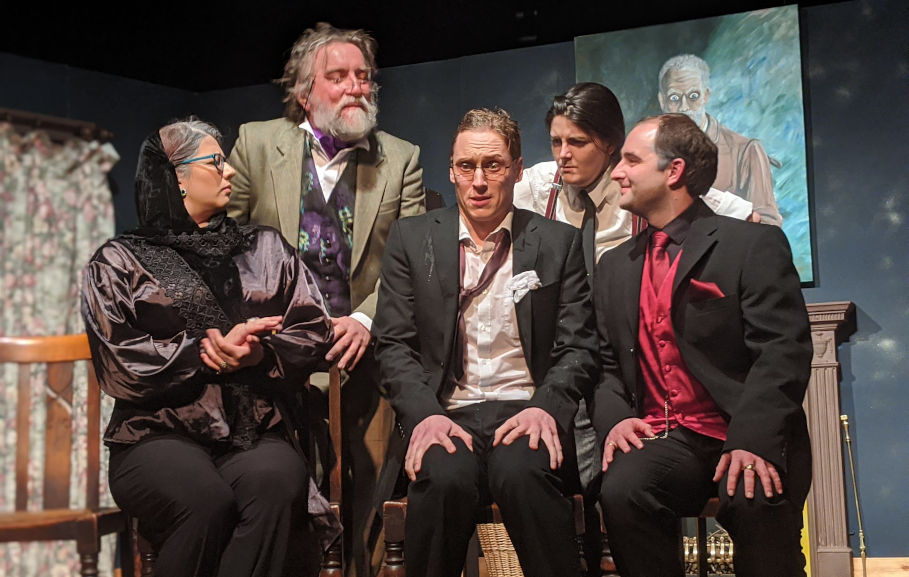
(442,251)
(525,249)
(630,279)
(443,241)
(698,242)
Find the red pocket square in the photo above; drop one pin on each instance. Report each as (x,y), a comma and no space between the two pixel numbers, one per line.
(701,291)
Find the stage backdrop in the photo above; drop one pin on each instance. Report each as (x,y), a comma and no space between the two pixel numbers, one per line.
(755,90)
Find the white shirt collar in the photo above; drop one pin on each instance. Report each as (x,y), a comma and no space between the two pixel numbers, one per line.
(598,193)
(362,143)
(463,233)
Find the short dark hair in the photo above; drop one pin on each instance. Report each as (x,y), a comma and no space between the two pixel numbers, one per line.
(596,110)
(678,136)
(498,121)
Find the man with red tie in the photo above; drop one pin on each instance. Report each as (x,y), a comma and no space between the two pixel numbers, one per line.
(706,354)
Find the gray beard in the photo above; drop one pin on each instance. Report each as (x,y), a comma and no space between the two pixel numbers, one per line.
(699,118)
(359,126)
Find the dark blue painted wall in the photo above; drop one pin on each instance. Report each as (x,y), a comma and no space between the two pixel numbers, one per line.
(857,88)
(129,108)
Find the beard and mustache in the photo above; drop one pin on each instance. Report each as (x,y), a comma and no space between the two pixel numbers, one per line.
(349,124)
(698,116)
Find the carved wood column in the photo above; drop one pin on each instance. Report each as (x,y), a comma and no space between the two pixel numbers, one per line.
(831,556)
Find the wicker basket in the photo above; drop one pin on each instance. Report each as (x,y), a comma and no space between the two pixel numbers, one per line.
(498,551)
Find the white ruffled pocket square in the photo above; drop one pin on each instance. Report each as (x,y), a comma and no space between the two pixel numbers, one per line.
(522,283)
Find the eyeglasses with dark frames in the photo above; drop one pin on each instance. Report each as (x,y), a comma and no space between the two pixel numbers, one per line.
(492,169)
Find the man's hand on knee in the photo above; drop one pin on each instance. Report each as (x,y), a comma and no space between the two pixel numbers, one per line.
(536,424)
(749,465)
(433,430)
(623,436)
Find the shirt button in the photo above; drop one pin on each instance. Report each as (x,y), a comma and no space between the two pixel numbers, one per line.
(662,344)
(673,393)
(667,368)
(659,319)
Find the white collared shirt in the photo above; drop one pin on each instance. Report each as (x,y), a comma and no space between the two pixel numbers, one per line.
(613,226)
(330,171)
(494,365)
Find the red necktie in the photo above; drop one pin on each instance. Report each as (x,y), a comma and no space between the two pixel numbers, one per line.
(659,259)
(466,296)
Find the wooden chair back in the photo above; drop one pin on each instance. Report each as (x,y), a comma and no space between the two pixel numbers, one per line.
(59,354)
(56,520)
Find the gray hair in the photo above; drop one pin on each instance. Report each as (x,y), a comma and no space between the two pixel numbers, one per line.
(181,139)
(299,72)
(687,62)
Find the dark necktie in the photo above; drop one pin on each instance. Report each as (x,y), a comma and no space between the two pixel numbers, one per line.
(588,234)
(659,259)
(466,296)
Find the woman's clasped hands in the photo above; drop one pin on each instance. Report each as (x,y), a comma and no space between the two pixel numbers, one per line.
(240,347)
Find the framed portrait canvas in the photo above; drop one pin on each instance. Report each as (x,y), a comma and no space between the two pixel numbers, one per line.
(740,78)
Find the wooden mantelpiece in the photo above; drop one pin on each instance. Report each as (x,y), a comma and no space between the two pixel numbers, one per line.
(831,556)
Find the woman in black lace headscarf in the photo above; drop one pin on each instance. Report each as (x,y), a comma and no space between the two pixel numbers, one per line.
(204,332)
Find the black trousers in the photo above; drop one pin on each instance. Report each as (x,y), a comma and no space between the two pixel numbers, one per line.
(645,492)
(211,514)
(442,502)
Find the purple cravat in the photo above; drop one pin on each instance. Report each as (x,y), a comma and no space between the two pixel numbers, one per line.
(331,145)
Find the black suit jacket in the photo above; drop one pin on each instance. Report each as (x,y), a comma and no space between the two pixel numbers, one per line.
(750,348)
(416,319)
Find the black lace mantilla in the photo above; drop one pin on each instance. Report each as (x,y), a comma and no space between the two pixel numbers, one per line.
(194,302)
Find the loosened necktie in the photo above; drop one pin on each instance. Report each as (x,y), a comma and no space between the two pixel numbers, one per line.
(499,255)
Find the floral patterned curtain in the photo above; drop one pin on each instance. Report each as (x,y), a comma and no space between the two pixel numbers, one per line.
(55,210)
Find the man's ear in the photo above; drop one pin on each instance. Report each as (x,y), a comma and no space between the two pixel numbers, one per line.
(662,100)
(706,97)
(451,174)
(675,173)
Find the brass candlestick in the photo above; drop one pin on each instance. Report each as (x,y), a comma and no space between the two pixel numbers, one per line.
(844,419)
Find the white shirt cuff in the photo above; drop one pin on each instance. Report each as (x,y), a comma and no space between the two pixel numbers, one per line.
(363,320)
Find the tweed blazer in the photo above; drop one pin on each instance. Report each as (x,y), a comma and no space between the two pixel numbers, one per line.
(267,189)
